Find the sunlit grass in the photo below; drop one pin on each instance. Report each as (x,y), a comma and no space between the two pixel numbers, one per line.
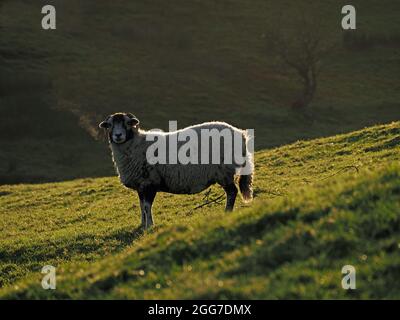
(319,205)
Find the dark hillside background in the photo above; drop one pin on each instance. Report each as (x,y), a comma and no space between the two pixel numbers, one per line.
(181,60)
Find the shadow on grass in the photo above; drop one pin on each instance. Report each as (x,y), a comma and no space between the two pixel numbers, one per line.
(84,246)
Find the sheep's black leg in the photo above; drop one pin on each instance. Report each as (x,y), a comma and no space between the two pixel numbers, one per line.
(231,192)
(146,198)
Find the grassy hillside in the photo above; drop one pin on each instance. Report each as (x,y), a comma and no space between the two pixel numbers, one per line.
(319,205)
(182,60)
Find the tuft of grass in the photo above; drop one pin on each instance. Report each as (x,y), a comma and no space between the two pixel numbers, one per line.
(319,205)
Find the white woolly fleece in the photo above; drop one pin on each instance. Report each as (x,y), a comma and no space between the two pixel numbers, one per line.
(135,172)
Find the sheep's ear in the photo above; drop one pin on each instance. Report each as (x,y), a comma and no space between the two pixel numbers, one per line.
(104,125)
(133,121)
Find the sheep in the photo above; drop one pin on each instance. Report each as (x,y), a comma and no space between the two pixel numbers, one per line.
(137,169)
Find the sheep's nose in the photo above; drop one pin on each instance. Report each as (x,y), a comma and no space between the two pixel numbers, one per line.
(118,135)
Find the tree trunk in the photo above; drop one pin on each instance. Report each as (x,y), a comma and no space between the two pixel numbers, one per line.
(309,88)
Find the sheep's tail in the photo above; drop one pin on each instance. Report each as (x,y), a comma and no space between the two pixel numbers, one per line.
(246,187)
(247,172)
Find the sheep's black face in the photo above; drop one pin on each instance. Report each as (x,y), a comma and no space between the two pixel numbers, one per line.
(120,127)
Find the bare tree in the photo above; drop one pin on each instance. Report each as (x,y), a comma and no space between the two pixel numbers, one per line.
(302,45)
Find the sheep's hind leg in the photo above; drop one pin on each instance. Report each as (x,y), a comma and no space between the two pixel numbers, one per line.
(231,193)
(146,201)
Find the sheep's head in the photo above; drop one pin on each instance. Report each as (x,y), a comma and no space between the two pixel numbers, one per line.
(120,127)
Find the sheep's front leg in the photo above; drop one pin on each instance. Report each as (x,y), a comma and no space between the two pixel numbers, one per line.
(231,193)
(146,198)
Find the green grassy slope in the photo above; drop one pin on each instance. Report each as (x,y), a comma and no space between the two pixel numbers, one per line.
(189,61)
(319,205)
